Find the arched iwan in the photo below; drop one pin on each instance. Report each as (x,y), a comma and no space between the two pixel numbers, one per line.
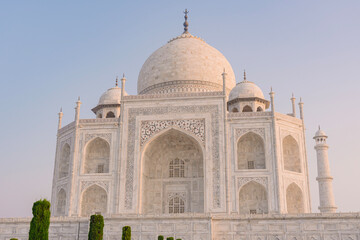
(94,200)
(291,154)
(251,152)
(60,203)
(294,199)
(63,170)
(97,156)
(253,199)
(172,165)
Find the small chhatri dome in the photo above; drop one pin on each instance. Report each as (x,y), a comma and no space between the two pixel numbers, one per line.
(185,64)
(246,89)
(320,133)
(111,96)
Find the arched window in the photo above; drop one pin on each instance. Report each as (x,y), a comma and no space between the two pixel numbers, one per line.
(64,161)
(253,199)
(177,168)
(251,152)
(176,205)
(110,115)
(235,110)
(61,203)
(259,109)
(247,108)
(291,154)
(94,200)
(97,156)
(294,199)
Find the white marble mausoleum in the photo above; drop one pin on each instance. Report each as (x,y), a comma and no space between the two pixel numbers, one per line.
(197,154)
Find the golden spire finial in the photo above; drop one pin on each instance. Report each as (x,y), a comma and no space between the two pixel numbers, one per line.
(244,75)
(116,81)
(186,24)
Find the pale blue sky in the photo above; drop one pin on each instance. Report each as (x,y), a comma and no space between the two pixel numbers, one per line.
(51,52)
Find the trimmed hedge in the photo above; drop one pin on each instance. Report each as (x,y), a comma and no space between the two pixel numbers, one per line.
(160,237)
(126,233)
(39,225)
(170,238)
(13,239)
(96,227)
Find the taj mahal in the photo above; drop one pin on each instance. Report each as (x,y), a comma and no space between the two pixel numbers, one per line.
(197,154)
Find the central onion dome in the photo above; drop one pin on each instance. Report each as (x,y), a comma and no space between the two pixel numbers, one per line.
(185,64)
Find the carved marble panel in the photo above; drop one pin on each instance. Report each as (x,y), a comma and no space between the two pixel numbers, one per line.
(195,126)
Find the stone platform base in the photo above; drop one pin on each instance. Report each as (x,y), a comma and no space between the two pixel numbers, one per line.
(338,226)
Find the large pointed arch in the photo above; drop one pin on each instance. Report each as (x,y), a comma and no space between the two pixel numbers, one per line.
(97,156)
(291,154)
(251,152)
(253,199)
(63,169)
(61,202)
(164,158)
(94,200)
(294,199)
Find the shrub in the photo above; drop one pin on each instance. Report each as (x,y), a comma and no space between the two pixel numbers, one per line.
(96,227)
(13,239)
(178,239)
(170,238)
(39,225)
(126,233)
(160,237)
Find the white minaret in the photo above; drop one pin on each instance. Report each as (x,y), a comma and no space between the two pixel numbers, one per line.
(60,118)
(77,111)
(327,203)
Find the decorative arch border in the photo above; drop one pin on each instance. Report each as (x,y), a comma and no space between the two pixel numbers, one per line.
(104,136)
(289,181)
(66,141)
(87,184)
(285,133)
(239,132)
(150,128)
(242,181)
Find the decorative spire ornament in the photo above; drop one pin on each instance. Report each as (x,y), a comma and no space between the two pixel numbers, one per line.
(116,81)
(244,75)
(186,24)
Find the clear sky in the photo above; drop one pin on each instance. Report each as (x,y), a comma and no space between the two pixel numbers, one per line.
(51,52)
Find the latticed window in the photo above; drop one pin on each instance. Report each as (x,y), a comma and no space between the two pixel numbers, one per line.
(176,205)
(100,168)
(251,165)
(177,168)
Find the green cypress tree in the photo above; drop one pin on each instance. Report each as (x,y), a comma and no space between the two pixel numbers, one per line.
(126,233)
(96,227)
(13,239)
(160,237)
(39,225)
(178,239)
(170,238)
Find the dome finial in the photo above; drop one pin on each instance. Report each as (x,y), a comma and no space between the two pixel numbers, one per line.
(116,81)
(244,75)
(186,24)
